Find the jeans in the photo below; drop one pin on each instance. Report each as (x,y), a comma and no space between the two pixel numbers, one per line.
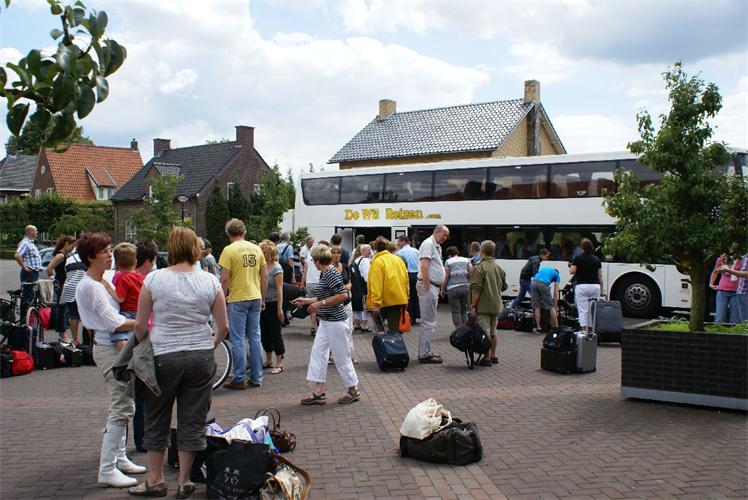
(728,308)
(27,290)
(743,306)
(244,324)
(458,305)
(524,289)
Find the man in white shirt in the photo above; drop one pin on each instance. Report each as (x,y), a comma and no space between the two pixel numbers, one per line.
(430,278)
(305,250)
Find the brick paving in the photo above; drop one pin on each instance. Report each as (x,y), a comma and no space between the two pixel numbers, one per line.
(544,435)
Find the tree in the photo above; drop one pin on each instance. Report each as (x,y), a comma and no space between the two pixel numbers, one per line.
(70,82)
(238,204)
(269,203)
(693,214)
(160,214)
(32,138)
(216,215)
(299,237)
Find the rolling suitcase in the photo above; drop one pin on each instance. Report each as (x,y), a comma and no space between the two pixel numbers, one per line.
(586,352)
(558,361)
(390,351)
(607,320)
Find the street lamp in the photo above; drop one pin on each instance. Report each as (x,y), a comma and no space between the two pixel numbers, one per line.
(182,200)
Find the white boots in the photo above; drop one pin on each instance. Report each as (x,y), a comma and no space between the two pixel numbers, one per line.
(113,456)
(123,463)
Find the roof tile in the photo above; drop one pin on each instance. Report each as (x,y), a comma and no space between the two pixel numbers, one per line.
(17,172)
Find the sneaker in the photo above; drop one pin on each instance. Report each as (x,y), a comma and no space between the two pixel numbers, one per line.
(315,399)
(252,383)
(350,397)
(431,359)
(237,386)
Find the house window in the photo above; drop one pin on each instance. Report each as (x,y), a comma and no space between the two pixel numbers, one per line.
(150,192)
(104,193)
(37,193)
(3,199)
(257,188)
(50,190)
(229,186)
(43,169)
(130,232)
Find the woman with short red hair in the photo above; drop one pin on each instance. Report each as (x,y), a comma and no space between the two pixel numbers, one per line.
(99,312)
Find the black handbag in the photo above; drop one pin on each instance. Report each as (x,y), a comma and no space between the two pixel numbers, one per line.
(559,338)
(239,471)
(457,444)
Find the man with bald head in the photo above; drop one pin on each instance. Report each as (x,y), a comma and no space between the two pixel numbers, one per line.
(430,278)
(27,256)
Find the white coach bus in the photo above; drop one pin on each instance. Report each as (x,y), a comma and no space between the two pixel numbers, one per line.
(521,203)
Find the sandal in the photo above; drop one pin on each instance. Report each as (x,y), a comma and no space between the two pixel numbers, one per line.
(495,361)
(316,399)
(267,365)
(186,490)
(483,361)
(145,490)
(276,370)
(350,397)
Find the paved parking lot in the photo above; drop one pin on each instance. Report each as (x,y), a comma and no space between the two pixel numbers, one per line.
(544,435)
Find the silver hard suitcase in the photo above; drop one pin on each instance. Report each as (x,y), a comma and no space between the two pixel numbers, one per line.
(587,346)
(586,352)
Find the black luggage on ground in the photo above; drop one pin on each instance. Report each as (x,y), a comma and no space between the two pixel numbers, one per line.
(60,360)
(558,361)
(524,321)
(607,320)
(87,355)
(470,339)
(238,471)
(73,355)
(390,351)
(19,338)
(46,357)
(456,444)
(6,363)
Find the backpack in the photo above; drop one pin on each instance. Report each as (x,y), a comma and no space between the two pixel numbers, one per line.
(283,254)
(358,283)
(559,338)
(470,339)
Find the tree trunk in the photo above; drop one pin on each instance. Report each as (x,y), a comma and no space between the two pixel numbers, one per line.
(698,296)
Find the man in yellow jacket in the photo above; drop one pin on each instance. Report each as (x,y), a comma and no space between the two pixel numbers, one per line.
(388,288)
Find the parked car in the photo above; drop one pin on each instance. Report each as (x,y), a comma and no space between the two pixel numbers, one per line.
(46,254)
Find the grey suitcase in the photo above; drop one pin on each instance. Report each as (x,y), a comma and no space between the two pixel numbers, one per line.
(607,320)
(586,351)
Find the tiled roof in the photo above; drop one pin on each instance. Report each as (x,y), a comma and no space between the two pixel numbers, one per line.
(17,173)
(167,168)
(198,165)
(469,127)
(108,165)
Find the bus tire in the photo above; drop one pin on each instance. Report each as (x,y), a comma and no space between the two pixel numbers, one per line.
(639,296)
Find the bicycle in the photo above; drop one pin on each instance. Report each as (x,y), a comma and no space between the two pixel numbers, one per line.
(10,312)
(224,361)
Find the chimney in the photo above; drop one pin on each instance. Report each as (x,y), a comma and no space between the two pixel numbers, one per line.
(160,145)
(134,145)
(532,95)
(387,107)
(245,136)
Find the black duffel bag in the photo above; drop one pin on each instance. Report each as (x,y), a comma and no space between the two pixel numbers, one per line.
(239,471)
(470,339)
(559,338)
(456,444)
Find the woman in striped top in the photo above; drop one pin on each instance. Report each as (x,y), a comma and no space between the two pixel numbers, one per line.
(75,269)
(332,332)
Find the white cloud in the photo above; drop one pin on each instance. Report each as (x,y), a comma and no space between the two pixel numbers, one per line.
(540,61)
(594,133)
(180,80)
(730,124)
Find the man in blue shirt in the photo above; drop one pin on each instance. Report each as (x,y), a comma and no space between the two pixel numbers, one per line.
(28,257)
(540,294)
(410,256)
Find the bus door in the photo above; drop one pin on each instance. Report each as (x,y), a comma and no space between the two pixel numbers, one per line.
(348,237)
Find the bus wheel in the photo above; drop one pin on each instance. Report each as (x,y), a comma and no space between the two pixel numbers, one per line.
(638,295)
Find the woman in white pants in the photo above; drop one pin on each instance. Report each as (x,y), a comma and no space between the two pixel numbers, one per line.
(332,332)
(587,270)
(100,313)
(337,254)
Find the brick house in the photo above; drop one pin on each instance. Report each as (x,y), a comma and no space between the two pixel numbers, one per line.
(201,166)
(517,127)
(16,176)
(85,173)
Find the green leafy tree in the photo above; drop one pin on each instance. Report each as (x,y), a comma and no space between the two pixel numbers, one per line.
(160,214)
(272,200)
(84,221)
(694,214)
(216,215)
(68,83)
(32,138)
(299,237)
(239,205)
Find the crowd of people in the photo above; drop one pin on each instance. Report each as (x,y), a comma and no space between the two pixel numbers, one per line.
(164,321)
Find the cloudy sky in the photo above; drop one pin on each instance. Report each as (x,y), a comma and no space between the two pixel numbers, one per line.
(308,74)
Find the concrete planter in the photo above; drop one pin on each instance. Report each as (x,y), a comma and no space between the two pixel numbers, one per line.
(696,368)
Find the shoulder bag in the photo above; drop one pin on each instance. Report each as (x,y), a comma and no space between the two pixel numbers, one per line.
(282,439)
